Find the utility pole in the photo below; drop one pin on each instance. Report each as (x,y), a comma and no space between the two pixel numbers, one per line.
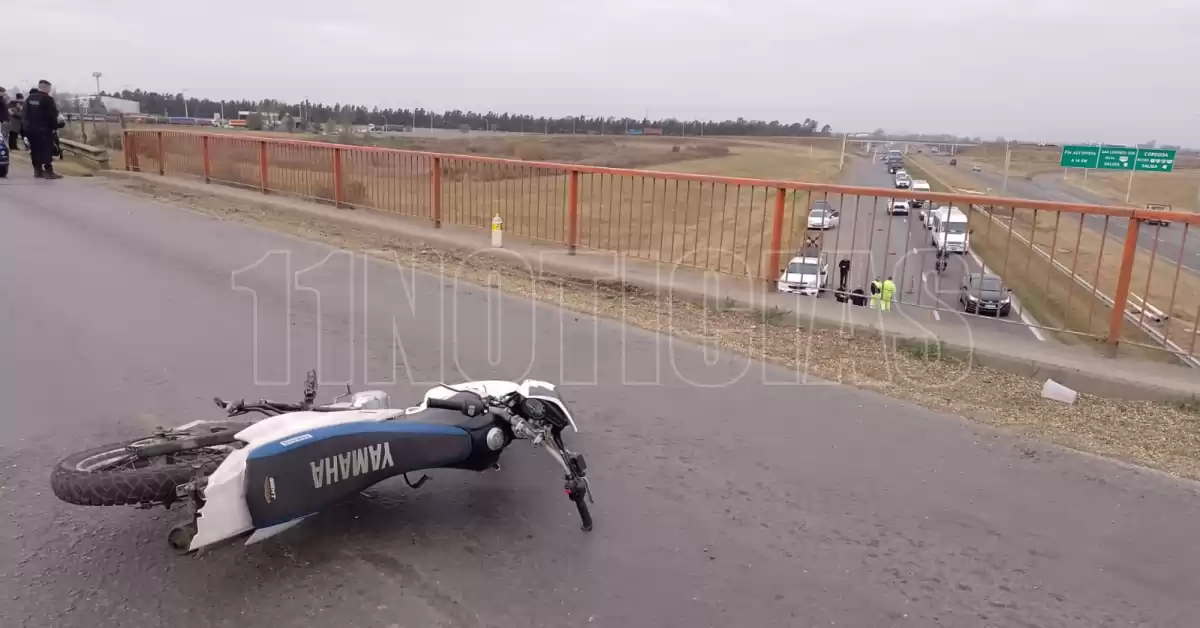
(97,75)
(1007,160)
(842,162)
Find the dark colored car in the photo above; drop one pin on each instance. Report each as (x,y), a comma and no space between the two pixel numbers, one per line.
(985,294)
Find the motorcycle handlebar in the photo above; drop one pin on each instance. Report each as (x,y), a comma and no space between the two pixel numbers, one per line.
(470,407)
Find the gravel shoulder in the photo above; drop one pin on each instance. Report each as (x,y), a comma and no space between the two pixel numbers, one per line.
(1160,436)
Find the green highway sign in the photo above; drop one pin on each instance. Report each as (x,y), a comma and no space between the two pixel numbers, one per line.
(1155,160)
(1079,156)
(1117,158)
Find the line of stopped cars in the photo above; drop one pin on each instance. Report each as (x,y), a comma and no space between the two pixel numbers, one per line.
(808,272)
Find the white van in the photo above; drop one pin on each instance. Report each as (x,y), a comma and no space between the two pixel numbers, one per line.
(949,228)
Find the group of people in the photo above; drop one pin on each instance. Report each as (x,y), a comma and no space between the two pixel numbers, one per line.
(36,119)
(883,291)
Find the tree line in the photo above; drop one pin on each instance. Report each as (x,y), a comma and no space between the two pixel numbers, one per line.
(307,113)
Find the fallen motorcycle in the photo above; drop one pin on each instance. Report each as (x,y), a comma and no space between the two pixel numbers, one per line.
(262,477)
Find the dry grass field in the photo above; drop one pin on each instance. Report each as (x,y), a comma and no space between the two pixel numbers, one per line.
(717,226)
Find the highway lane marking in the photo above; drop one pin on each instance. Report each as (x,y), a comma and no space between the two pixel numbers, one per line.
(936,316)
(1037,333)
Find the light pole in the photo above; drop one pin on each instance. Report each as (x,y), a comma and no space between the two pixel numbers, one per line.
(96,75)
(185,107)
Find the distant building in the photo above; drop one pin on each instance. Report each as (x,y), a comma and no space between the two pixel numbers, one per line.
(120,105)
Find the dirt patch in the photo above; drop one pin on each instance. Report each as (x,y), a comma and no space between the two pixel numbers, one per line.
(1162,436)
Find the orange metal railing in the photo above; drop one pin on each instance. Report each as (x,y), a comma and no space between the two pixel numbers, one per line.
(1070,264)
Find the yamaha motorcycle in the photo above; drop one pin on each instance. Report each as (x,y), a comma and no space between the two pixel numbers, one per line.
(239,477)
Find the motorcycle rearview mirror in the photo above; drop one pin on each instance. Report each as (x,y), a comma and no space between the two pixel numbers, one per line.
(349,393)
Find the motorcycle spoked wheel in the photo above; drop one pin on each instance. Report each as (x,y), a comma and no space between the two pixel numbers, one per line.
(110,476)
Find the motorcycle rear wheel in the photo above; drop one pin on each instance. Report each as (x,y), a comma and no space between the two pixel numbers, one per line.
(109,476)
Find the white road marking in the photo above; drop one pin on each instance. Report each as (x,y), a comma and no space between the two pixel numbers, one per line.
(936,316)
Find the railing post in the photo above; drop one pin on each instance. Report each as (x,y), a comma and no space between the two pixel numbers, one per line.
(776,235)
(204,156)
(1121,297)
(125,149)
(162,157)
(262,165)
(337,177)
(437,192)
(132,155)
(573,213)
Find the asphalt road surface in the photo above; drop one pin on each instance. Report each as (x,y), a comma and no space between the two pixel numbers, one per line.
(720,500)
(879,244)
(1171,243)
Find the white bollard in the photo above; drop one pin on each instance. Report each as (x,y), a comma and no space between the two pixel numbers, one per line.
(497,231)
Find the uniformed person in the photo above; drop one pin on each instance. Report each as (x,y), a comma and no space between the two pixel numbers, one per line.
(888,293)
(40,122)
(876,290)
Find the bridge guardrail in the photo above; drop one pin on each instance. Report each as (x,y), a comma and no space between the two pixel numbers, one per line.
(734,225)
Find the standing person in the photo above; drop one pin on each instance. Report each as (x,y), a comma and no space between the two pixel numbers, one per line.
(876,289)
(843,273)
(41,121)
(888,293)
(16,113)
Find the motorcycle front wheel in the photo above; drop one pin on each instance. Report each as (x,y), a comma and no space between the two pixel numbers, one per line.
(111,476)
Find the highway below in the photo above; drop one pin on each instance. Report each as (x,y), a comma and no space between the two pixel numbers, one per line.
(879,244)
(720,500)
(1171,246)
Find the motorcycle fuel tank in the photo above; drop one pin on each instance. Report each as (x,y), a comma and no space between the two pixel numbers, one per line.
(297,476)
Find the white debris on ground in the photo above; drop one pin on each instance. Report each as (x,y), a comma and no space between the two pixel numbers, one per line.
(1057,392)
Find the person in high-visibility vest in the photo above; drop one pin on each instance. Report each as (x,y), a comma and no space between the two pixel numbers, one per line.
(888,293)
(876,289)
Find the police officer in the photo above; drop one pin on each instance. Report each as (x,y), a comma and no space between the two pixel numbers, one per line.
(876,289)
(843,273)
(40,122)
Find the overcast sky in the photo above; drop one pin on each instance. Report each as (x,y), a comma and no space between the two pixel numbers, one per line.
(1105,70)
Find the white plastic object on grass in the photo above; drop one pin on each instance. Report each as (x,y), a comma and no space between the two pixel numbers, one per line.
(1057,392)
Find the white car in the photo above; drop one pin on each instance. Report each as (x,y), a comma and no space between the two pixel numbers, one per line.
(823,218)
(977,168)
(804,275)
(919,185)
(903,182)
(898,207)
